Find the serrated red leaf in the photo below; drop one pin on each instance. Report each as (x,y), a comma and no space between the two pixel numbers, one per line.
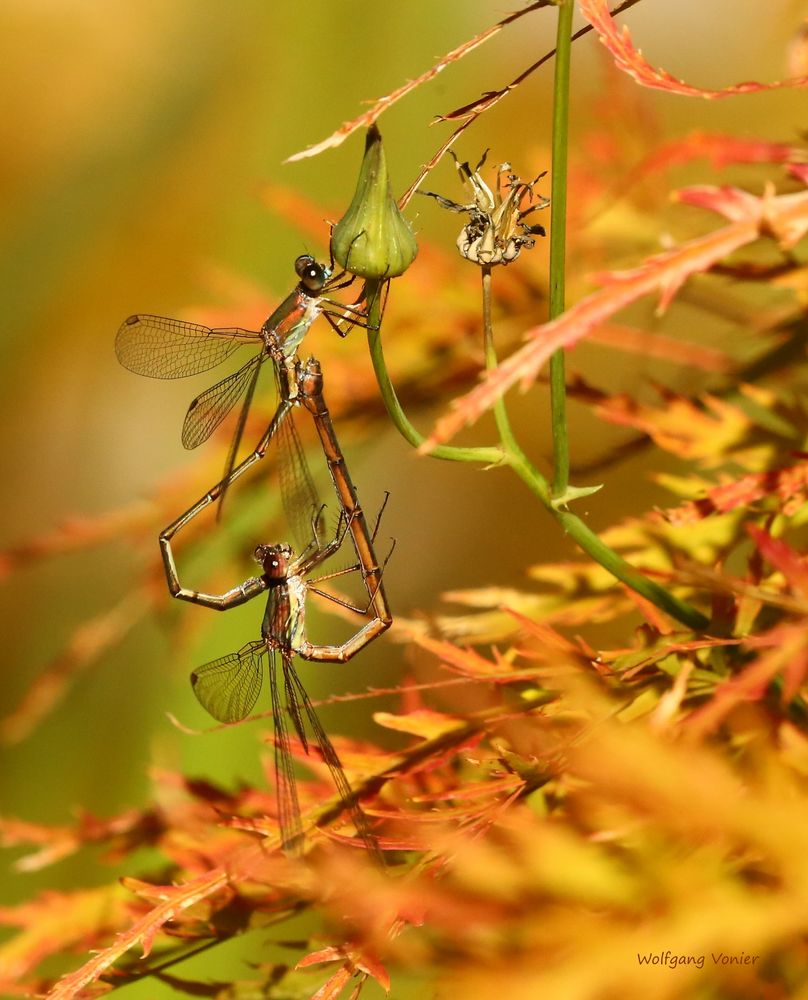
(329,954)
(731,202)
(466,661)
(629,59)
(721,149)
(142,931)
(353,958)
(784,216)
(549,637)
(788,486)
(789,657)
(662,273)
(331,989)
(383,103)
(779,554)
(649,344)
(692,429)
(57,842)
(54,923)
(422,722)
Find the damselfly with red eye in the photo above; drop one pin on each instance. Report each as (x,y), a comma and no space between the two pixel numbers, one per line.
(229,686)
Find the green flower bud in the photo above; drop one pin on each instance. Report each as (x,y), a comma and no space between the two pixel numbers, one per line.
(373,240)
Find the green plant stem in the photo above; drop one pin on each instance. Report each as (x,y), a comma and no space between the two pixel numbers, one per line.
(511,453)
(513,456)
(486,456)
(506,435)
(610,560)
(572,524)
(558,239)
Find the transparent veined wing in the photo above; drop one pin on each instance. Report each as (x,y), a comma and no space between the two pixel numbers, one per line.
(228,688)
(241,423)
(160,347)
(210,408)
(301,502)
(302,711)
(285,783)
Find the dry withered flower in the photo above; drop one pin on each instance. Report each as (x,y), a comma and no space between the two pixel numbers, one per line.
(496,232)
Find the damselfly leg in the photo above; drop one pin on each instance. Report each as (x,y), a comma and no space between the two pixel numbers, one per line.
(164,348)
(229,686)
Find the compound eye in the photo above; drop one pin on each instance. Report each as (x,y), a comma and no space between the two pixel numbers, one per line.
(303,262)
(313,276)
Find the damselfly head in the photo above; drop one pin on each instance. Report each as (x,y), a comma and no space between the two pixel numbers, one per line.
(313,275)
(275,560)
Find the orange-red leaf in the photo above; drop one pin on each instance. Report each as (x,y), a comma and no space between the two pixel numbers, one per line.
(789,486)
(423,722)
(383,103)
(721,150)
(57,842)
(789,656)
(142,930)
(56,922)
(332,988)
(649,344)
(466,662)
(791,564)
(628,59)
(692,429)
(353,958)
(783,215)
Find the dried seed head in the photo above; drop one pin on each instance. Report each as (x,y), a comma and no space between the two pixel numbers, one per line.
(373,239)
(496,232)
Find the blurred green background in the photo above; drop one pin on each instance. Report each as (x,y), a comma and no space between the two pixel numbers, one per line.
(135,138)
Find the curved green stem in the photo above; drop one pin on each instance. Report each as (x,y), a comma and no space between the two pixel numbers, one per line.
(506,435)
(513,456)
(511,453)
(607,557)
(572,524)
(486,456)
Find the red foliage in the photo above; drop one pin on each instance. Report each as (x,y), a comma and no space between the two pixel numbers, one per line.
(783,216)
(628,59)
(591,772)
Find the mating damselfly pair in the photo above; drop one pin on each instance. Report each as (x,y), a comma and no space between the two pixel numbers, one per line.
(229,687)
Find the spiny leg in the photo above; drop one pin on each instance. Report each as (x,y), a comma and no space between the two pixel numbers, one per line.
(379,572)
(210,497)
(358,566)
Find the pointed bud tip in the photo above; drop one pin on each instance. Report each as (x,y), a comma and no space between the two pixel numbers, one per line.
(373,240)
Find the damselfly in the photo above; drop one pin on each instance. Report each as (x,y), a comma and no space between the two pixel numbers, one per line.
(229,687)
(164,348)
(300,500)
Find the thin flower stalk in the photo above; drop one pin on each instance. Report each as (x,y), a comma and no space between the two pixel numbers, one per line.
(510,453)
(558,236)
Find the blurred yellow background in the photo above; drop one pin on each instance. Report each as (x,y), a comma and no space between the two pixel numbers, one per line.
(136,138)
